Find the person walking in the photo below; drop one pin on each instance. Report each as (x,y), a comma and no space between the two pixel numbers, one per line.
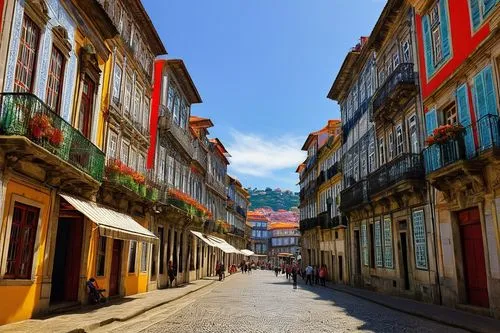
(171,273)
(322,275)
(294,277)
(316,275)
(276,270)
(313,275)
(309,272)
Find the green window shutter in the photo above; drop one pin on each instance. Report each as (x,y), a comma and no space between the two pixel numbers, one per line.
(475,13)
(429,62)
(430,121)
(444,26)
(489,90)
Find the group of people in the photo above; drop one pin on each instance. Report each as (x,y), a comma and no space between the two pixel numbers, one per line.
(290,271)
(315,274)
(246,267)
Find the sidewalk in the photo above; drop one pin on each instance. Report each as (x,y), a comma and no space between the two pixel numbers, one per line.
(92,317)
(441,314)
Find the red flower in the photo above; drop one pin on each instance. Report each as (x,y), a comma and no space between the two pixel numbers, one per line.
(56,137)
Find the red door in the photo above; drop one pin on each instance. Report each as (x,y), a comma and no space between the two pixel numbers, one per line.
(114,277)
(473,256)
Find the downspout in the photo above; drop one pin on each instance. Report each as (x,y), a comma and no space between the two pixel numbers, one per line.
(431,204)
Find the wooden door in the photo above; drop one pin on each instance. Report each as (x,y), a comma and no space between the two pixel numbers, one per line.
(476,283)
(114,276)
(73,259)
(86,107)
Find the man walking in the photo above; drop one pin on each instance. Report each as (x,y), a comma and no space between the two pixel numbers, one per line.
(309,271)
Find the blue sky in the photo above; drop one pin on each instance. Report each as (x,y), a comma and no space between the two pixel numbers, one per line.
(263,69)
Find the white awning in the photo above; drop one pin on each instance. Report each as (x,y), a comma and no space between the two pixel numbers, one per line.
(223,245)
(111,223)
(248,253)
(203,237)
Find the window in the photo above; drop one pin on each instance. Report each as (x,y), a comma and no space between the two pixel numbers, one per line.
(412,128)
(378,245)
(381,151)
(171,98)
(184,113)
(395,59)
(406,52)
(388,243)
(22,241)
(55,79)
(117,83)
(479,10)
(450,114)
(27,56)
(136,115)
(144,256)
(177,176)
(164,90)
(399,139)
(112,144)
(101,256)
(436,36)
(132,161)
(390,145)
(141,167)
(420,239)
(128,94)
(131,256)
(170,165)
(145,115)
(177,105)
(86,108)
(364,243)
(125,151)
(436,44)
(161,164)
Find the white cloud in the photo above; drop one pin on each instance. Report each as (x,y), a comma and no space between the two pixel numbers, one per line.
(263,157)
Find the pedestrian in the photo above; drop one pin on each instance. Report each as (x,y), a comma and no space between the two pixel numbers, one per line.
(276,270)
(316,275)
(171,273)
(322,274)
(294,277)
(309,272)
(313,275)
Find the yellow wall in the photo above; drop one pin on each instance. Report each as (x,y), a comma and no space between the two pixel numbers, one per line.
(18,302)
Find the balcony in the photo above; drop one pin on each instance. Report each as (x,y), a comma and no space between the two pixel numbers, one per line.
(31,131)
(321,179)
(406,167)
(333,170)
(200,155)
(182,137)
(354,196)
(349,124)
(216,185)
(396,91)
(308,224)
(241,211)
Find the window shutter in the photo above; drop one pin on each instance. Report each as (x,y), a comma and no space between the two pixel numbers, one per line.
(475,13)
(464,118)
(430,121)
(488,5)
(445,36)
(480,96)
(429,63)
(489,89)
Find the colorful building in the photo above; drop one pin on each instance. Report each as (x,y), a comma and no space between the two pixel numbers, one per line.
(284,241)
(459,52)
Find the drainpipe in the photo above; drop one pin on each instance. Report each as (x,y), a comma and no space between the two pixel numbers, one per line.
(431,204)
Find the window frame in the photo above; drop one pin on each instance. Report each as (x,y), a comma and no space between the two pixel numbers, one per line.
(6,236)
(101,255)
(117,86)
(131,266)
(36,51)
(423,243)
(56,89)
(112,134)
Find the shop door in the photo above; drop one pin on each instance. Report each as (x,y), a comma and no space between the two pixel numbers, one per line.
(67,260)
(114,276)
(473,258)
(404,257)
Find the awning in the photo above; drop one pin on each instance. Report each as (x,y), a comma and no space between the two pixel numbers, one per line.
(223,245)
(248,253)
(203,237)
(111,223)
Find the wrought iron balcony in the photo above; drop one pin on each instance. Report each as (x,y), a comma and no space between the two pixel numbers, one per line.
(404,167)
(477,139)
(24,114)
(321,179)
(354,196)
(167,125)
(349,124)
(398,88)
(241,211)
(332,171)
(308,224)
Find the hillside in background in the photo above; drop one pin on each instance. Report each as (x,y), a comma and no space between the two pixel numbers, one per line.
(275,199)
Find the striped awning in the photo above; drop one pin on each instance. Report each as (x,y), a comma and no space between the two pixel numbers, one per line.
(216,242)
(111,223)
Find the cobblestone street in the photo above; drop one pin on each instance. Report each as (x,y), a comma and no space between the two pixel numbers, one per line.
(261,302)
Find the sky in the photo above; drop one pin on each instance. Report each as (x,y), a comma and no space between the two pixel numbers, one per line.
(263,69)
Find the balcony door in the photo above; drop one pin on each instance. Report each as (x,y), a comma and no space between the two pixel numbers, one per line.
(86,107)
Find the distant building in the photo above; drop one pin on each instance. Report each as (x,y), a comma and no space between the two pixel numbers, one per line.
(284,240)
(259,240)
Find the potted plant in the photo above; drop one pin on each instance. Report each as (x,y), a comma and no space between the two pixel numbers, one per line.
(444,134)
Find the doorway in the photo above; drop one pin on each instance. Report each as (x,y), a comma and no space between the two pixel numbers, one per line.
(404,256)
(67,260)
(114,276)
(341,269)
(476,283)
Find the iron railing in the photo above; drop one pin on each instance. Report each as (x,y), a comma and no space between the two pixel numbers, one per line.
(402,75)
(349,124)
(332,171)
(476,139)
(321,179)
(26,115)
(405,166)
(309,223)
(182,136)
(354,195)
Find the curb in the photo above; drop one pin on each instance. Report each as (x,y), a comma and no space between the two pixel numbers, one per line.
(416,314)
(135,314)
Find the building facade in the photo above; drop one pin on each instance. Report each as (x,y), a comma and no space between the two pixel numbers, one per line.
(284,241)
(260,236)
(459,52)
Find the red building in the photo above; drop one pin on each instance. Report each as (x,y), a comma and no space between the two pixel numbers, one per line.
(459,59)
